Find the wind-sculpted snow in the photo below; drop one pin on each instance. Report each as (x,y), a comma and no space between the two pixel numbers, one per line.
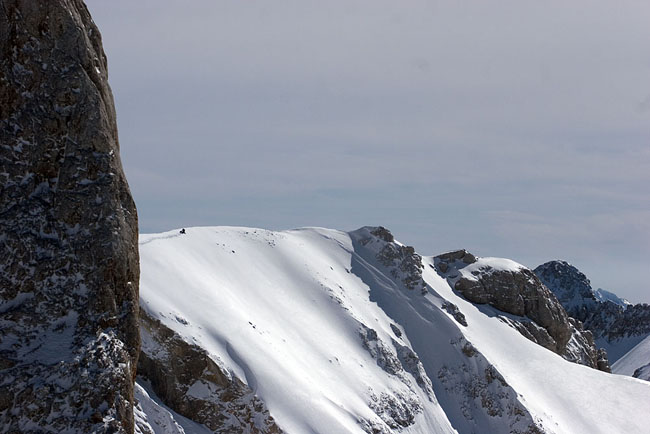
(334,335)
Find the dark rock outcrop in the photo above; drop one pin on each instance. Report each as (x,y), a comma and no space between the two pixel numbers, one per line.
(478,387)
(517,291)
(633,321)
(402,262)
(453,310)
(570,286)
(397,360)
(643,372)
(608,321)
(69,269)
(396,408)
(189,382)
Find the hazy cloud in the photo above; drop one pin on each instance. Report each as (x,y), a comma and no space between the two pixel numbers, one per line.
(513,128)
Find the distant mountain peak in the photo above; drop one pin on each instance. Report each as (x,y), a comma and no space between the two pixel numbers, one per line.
(603,295)
(617,325)
(569,285)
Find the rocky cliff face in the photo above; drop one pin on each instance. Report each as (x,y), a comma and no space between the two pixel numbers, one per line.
(613,325)
(534,311)
(474,387)
(69,270)
(570,286)
(188,381)
(402,261)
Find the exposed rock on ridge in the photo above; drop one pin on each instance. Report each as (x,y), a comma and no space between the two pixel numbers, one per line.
(570,286)
(516,290)
(608,321)
(192,384)
(69,269)
(477,385)
(469,388)
(402,261)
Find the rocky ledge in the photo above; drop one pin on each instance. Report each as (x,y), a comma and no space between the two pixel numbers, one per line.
(192,384)
(533,309)
(401,262)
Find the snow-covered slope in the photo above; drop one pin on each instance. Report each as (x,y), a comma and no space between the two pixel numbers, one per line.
(153,417)
(352,332)
(285,314)
(636,362)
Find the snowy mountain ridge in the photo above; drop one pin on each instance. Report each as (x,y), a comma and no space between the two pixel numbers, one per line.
(603,295)
(332,332)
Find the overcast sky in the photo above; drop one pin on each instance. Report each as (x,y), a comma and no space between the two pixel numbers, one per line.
(510,128)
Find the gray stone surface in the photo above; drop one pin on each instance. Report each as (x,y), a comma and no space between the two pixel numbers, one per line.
(189,382)
(69,268)
(453,310)
(402,261)
(570,286)
(538,315)
(608,321)
(520,294)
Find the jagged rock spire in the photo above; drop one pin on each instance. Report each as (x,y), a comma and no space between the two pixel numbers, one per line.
(69,266)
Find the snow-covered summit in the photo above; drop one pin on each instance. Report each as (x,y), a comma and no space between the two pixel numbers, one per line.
(604,295)
(335,332)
